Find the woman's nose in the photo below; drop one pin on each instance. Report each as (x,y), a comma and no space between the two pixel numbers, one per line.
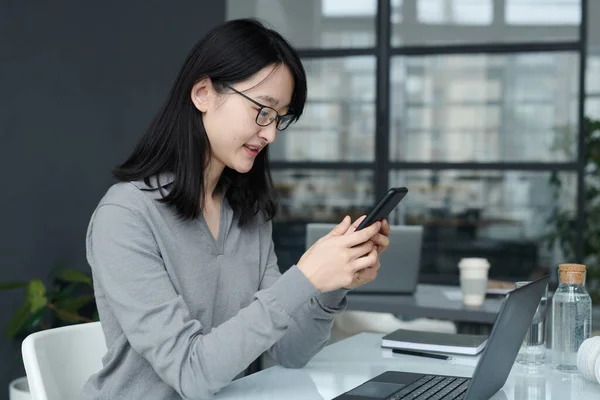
(269,133)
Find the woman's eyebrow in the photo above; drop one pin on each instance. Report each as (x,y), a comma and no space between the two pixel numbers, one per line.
(271,100)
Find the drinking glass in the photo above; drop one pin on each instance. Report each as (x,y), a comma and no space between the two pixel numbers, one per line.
(533,348)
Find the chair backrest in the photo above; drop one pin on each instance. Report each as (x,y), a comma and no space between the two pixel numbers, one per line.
(59,361)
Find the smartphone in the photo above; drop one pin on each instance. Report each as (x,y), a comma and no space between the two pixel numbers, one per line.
(384,207)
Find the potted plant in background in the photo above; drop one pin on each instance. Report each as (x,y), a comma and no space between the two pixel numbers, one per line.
(67,299)
(564,220)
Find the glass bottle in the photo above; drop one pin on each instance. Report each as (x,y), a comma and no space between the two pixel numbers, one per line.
(571,316)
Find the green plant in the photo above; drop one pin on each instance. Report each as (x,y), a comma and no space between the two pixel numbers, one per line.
(564,220)
(68,299)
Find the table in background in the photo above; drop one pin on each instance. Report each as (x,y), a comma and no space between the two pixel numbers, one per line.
(432,301)
(350,362)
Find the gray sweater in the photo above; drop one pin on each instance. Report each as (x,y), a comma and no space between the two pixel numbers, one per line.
(184,314)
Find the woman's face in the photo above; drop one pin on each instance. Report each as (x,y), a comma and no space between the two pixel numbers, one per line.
(230,119)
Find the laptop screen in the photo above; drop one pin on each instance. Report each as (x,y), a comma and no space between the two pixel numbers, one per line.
(511,325)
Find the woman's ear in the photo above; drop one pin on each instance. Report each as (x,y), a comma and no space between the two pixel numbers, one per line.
(202,93)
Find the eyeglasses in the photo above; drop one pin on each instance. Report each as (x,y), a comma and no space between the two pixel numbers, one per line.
(266,115)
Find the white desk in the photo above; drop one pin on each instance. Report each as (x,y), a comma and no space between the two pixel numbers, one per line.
(348,363)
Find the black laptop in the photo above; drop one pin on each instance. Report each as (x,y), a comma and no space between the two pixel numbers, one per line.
(496,361)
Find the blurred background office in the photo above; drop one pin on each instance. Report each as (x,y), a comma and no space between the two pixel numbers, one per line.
(474,105)
(477,106)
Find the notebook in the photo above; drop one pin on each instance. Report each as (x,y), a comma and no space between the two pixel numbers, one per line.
(435,342)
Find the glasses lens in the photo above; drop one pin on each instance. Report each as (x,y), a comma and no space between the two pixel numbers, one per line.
(265,116)
(285,121)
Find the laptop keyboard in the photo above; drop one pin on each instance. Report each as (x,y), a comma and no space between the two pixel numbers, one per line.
(434,388)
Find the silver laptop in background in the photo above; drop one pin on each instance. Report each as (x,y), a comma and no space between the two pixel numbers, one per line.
(400,263)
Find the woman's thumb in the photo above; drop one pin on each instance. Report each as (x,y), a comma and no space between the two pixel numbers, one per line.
(341,228)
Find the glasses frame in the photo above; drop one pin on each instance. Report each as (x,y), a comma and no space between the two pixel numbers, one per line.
(278,117)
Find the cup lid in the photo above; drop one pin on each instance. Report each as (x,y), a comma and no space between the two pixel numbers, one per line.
(473,262)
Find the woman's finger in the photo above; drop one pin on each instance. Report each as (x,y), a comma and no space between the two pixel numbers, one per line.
(355,224)
(369,260)
(382,242)
(386,229)
(361,250)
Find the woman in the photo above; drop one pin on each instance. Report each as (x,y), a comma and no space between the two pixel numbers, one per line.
(186,279)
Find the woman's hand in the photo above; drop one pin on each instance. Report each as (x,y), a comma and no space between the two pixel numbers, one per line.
(380,239)
(381,242)
(335,259)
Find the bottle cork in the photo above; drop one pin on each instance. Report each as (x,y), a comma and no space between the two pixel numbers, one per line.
(572,274)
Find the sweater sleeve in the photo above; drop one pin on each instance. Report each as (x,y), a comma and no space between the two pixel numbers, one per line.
(127,265)
(310,328)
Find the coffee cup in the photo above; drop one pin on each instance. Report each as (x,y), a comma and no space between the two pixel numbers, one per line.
(473,280)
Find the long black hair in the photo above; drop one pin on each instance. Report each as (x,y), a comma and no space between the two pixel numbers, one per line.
(176,141)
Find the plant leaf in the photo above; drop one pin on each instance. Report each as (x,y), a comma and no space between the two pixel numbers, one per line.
(74,304)
(12,285)
(35,321)
(72,275)
(65,292)
(36,295)
(18,321)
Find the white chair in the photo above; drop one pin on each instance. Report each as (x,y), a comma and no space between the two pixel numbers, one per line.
(59,361)
(350,323)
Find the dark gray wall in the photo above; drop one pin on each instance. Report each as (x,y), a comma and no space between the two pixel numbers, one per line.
(79,82)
